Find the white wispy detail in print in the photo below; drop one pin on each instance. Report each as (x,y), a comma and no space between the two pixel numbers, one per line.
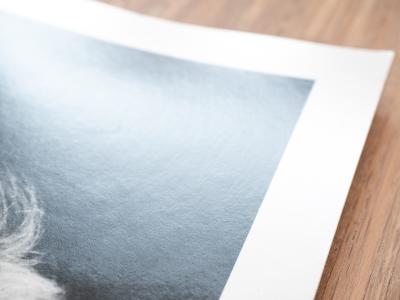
(20,229)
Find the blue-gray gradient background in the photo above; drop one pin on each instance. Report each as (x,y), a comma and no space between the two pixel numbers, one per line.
(150,169)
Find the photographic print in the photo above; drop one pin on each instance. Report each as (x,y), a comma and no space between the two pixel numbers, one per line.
(127,174)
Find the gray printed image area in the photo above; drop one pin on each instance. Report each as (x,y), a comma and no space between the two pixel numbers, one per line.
(149,169)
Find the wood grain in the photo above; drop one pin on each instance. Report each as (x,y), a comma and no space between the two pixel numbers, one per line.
(364,261)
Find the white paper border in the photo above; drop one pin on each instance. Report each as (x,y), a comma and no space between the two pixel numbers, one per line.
(285,252)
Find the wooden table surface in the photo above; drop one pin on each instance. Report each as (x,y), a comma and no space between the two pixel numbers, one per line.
(364,261)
